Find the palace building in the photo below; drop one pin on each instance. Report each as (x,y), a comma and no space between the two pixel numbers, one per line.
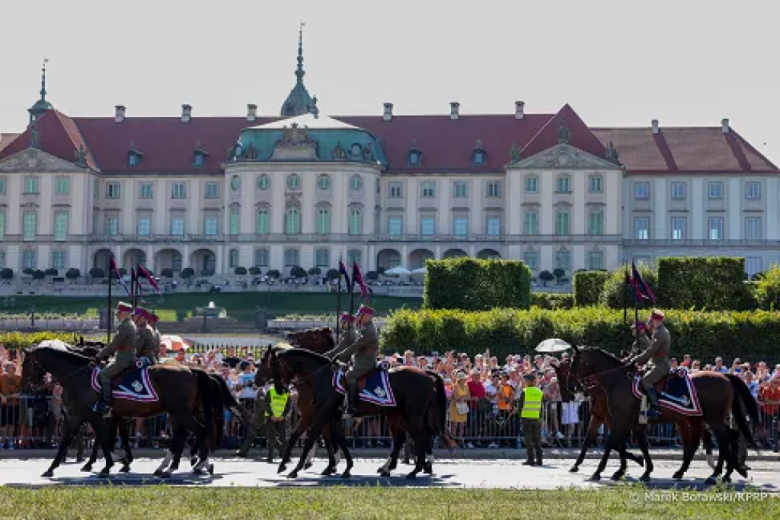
(305,189)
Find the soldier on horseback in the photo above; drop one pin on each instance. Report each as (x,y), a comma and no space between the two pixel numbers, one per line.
(146,341)
(349,335)
(657,358)
(363,351)
(153,325)
(124,346)
(641,342)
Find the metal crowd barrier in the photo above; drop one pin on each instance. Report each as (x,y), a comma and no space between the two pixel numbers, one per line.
(37,422)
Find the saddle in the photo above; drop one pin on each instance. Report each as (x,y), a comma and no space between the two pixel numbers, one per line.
(662,385)
(675,391)
(133,385)
(373,387)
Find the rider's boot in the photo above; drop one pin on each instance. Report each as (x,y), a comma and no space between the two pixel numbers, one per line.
(352,398)
(652,397)
(104,404)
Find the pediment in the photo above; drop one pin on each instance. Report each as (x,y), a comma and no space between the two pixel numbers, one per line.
(564,156)
(33,160)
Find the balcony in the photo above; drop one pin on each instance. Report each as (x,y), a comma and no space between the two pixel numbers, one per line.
(701,242)
(154,238)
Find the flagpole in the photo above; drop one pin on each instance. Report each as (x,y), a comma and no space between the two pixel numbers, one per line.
(338,312)
(110,306)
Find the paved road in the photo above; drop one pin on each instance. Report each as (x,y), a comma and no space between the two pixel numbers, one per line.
(458,473)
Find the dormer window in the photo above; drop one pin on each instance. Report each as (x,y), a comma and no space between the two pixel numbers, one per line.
(133,156)
(199,159)
(415,155)
(478,155)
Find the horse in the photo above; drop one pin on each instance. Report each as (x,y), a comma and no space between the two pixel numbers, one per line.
(183,394)
(414,390)
(716,395)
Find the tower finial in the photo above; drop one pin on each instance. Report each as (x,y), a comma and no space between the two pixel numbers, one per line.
(43,79)
(299,73)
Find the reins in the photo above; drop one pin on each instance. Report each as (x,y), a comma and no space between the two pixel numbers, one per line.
(36,385)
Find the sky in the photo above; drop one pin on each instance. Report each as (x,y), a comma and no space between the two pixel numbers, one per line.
(618,63)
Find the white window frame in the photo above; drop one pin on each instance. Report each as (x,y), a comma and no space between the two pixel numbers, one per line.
(596,184)
(715,190)
(642,232)
(753,190)
(642,190)
(679,233)
(679,190)
(715,233)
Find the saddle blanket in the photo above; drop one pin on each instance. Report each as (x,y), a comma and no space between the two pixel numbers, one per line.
(134,385)
(678,394)
(377,389)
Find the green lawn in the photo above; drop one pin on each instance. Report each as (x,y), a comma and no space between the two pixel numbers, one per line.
(364,503)
(238,304)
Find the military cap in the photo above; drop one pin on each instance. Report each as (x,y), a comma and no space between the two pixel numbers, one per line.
(638,325)
(124,307)
(140,311)
(153,317)
(365,309)
(347,317)
(657,315)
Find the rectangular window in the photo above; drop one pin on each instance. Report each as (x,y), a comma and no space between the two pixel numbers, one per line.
(2,260)
(2,225)
(30,223)
(2,185)
(179,190)
(29,260)
(322,258)
(428,226)
(716,228)
(715,190)
(563,260)
(562,223)
(63,186)
(679,190)
(58,259)
(235,221)
(177,226)
(753,266)
(461,226)
(596,260)
(263,225)
(753,190)
(212,190)
(144,226)
(395,226)
(210,227)
(596,223)
(61,219)
(642,228)
(112,226)
(753,228)
(396,190)
(494,189)
(531,224)
(531,259)
(531,185)
(112,190)
(460,189)
(678,228)
(563,185)
(642,191)
(428,190)
(262,258)
(494,226)
(595,184)
(147,191)
(31,185)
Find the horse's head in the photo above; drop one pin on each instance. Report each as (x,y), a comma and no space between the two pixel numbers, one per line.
(33,373)
(589,364)
(569,383)
(318,340)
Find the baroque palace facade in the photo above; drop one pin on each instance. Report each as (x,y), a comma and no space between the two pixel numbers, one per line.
(304,189)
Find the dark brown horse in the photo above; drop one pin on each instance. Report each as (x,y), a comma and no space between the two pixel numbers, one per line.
(183,394)
(716,393)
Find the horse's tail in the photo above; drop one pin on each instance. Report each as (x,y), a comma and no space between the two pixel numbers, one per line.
(750,405)
(440,412)
(206,402)
(229,400)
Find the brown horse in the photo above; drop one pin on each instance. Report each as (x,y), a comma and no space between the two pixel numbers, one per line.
(716,393)
(183,394)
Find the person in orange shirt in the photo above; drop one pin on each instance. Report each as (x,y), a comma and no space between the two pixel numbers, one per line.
(769,397)
(10,408)
(506,405)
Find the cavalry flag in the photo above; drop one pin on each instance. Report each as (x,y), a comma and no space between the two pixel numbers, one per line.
(641,289)
(343,271)
(143,272)
(118,276)
(357,277)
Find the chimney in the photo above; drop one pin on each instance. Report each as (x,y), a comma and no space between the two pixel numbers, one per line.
(655,126)
(454,110)
(251,112)
(388,112)
(186,113)
(725,126)
(519,110)
(119,115)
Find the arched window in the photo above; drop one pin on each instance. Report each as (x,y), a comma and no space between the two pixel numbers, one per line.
(233,258)
(263,182)
(61,225)
(323,220)
(323,182)
(263,224)
(356,183)
(293,182)
(293,221)
(235,220)
(355,221)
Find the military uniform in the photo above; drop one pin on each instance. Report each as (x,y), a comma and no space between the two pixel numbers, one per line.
(277,405)
(146,344)
(124,347)
(656,356)
(348,337)
(256,424)
(363,352)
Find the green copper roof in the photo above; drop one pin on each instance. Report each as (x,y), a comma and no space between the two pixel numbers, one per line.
(41,105)
(299,101)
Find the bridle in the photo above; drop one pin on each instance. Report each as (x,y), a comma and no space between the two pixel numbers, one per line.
(594,380)
(35,385)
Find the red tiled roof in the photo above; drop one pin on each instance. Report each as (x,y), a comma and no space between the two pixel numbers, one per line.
(6,139)
(685,150)
(581,135)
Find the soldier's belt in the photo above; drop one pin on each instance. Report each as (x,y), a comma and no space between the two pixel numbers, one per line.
(662,356)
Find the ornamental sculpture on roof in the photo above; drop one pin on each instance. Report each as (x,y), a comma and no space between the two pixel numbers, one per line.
(564,134)
(80,156)
(514,153)
(339,153)
(612,153)
(296,136)
(368,153)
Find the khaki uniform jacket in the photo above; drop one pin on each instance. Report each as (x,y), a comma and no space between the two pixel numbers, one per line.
(157,339)
(347,338)
(641,344)
(123,344)
(363,350)
(656,355)
(145,342)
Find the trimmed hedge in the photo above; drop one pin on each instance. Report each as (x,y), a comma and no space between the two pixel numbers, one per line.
(546,300)
(703,335)
(588,286)
(614,290)
(712,283)
(475,285)
(16,340)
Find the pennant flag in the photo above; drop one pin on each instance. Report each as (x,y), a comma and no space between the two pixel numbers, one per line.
(641,289)
(357,277)
(118,276)
(143,272)
(343,271)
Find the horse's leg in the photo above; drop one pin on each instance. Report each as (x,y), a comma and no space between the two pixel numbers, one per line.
(399,438)
(641,436)
(183,427)
(124,434)
(338,437)
(419,438)
(311,437)
(62,449)
(690,434)
(613,439)
(102,436)
(330,447)
(723,434)
(590,438)
(706,438)
(621,449)
(296,434)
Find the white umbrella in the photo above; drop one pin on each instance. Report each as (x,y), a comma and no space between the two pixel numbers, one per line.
(552,345)
(421,270)
(398,270)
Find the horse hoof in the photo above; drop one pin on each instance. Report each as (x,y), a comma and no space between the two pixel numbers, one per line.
(124,461)
(743,471)
(711,481)
(211,469)
(86,468)
(617,476)
(411,476)
(282,468)
(197,471)
(165,474)
(644,478)
(384,473)
(640,461)
(726,479)
(308,465)
(346,474)
(158,473)
(595,478)
(428,470)
(193,461)
(125,469)
(678,475)
(292,474)
(48,474)
(574,469)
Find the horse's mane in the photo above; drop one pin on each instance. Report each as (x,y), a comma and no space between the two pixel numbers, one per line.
(608,355)
(61,351)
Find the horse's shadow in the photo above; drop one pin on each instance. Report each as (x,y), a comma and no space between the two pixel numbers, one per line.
(399,480)
(125,479)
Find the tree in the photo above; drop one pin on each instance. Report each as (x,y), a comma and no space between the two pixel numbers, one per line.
(315,271)
(298,272)
(38,274)
(167,273)
(72,273)
(96,272)
(51,272)
(559,274)
(546,276)
(372,275)
(240,271)
(28,271)
(255,271)
(6,273)
(274,274)
(333,274)
(187,273)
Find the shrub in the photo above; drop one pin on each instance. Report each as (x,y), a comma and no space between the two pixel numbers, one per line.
(38,274)
(712,283)
(588,286)
(73,273)
(51,272)
(255,271)
(766,290)
(545,300)
(187,273)
(332,274)
(298,272)
(546,276)
(97,272)
(274,274)
(240,271)
(614,294)
(703,335)
(315,272)
(6,273)
(473,284)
